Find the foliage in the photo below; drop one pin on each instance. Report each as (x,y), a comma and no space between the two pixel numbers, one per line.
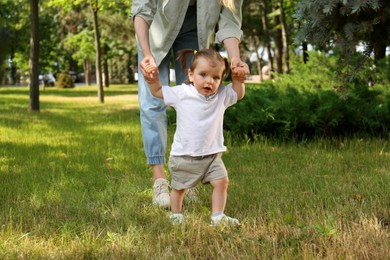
(14,33)
(64,80)
(312,102)
(59,20)
(52,56)
(382,74)
(118,43)
(345,24)
(81,45)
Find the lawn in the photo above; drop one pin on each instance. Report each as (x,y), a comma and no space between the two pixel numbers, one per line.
(74,184)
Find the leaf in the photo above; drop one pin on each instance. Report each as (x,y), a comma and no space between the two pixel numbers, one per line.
(327,9)
(355,9)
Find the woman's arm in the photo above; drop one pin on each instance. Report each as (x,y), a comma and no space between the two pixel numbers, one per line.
(142,32)
(231,46)
(240,70)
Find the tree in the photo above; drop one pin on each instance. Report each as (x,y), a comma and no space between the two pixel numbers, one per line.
(119,57)
(268,27)
(82,47)
(14,44)
(285,37)
(277,39)
(345,24)
(94,6)
(34,54)
(282,29)
(267,34)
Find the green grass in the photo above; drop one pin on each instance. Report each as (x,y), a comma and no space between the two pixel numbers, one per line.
(74,184)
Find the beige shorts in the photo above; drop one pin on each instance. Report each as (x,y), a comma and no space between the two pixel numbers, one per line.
(187,171)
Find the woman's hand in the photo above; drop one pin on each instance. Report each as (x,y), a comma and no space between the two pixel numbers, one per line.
(149,69)
(240,70)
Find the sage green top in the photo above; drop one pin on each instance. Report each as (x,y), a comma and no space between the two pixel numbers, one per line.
(165,18)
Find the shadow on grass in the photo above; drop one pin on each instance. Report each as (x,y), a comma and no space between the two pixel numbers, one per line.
(63,177)
(47,185)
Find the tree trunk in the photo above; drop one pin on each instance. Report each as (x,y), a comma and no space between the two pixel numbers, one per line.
(34,56)
(94,9)
(264,21)
(87,72)
(278,43)
(130,71)
(256,44)
(285,38)
(379,41)
(14,69)
(106,73)
(304,51)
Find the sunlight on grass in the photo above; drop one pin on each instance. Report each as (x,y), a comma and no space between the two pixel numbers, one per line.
(75,185)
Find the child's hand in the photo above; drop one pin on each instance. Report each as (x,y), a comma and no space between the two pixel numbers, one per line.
(239,74)
(149,69)
(240,70)
(152,76)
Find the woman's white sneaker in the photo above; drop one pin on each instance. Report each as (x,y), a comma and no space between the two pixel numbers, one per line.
(161,196)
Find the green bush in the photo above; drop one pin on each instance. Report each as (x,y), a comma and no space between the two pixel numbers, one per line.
(64,80)
(329,96)
(271,110)
(382,74)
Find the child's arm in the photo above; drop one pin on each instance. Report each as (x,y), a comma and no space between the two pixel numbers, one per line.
(153,81)
(238,78)
(156,88)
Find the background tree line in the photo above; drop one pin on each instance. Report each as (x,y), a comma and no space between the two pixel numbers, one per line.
(95,38)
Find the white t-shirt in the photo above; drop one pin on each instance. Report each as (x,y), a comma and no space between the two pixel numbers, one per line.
(199,119)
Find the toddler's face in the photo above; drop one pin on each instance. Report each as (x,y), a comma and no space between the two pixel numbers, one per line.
(206,76)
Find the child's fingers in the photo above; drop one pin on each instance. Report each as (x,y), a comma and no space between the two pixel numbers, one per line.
(240,69)
(239,72)
(151,70)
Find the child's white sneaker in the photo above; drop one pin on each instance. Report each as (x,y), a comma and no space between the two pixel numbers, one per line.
(176,218)
(161,193)
(222,219)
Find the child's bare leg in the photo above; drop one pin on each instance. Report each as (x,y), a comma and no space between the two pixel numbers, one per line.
(177,197)
(219,195)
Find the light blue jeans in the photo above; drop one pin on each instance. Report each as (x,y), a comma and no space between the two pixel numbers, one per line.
(153,110)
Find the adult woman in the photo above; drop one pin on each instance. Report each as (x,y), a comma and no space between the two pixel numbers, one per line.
(163,28)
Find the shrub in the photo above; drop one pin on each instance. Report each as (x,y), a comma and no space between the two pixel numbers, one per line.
(64,80)
(326,97)
(271,110)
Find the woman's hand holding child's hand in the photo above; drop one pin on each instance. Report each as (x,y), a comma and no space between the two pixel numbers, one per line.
(149,70)
(240,70)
